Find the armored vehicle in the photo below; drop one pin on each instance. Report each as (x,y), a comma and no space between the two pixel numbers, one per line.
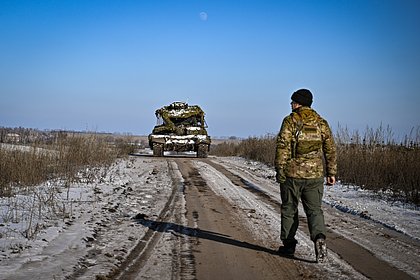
(180,128)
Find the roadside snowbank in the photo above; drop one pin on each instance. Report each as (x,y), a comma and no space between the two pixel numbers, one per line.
(88,228)
(83,230)
(378,207)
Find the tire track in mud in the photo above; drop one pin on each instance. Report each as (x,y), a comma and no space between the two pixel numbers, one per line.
(357,256)
(222,247)
(139,255)
(85,262)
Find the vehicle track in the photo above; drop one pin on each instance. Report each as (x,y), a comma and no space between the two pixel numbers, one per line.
(357,256)
(211,241)
(223,248)
(137,258)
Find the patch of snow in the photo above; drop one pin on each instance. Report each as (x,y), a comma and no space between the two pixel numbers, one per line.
(369,214)
(264,221)
(89,227)
(84,226)
(378,207)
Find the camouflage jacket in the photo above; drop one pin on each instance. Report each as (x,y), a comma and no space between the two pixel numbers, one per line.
(304,140)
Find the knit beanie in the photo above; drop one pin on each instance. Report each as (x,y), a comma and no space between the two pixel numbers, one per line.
(303,97)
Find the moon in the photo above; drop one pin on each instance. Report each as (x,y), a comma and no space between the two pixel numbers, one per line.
(203,16)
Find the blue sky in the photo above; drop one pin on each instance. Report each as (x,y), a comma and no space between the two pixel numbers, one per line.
(108,65)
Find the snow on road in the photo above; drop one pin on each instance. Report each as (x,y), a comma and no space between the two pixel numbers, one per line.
(381,208)
(264,222)
(91,231)
(373,221)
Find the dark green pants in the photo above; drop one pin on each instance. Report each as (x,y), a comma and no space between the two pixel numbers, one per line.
(310,192)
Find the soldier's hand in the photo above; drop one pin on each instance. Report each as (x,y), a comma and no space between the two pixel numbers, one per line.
(330,180)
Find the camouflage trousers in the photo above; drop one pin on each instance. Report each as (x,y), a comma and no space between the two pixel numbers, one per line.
(310,192)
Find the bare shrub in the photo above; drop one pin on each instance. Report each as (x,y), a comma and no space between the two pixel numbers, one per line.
(225,149)
(373,160)
(261,149)
(60,161)
(124,147)
(254,148)
(23,166)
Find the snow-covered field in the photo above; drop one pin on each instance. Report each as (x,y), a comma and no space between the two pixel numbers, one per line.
(89,228)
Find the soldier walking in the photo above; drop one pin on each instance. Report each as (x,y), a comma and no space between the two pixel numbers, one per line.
(304,141)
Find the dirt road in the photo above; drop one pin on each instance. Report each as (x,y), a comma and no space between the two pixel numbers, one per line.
(223,250)
(179,217)
(223,223)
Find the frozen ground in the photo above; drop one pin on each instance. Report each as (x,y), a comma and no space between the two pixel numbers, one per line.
(91,229)
(373,221)
(87,229)
(380,208)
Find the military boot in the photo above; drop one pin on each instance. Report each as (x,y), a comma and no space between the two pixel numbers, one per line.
(320,248)
(288,248)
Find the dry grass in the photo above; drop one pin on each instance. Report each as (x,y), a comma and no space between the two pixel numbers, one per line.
(377,162)
(23,166)
(255,148)
(373,160)
(62,160)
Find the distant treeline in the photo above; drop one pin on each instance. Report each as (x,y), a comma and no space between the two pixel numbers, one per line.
(21,135)
(373,160)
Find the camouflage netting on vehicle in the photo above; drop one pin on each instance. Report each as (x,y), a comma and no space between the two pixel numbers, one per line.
(181,119)
(180,128)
